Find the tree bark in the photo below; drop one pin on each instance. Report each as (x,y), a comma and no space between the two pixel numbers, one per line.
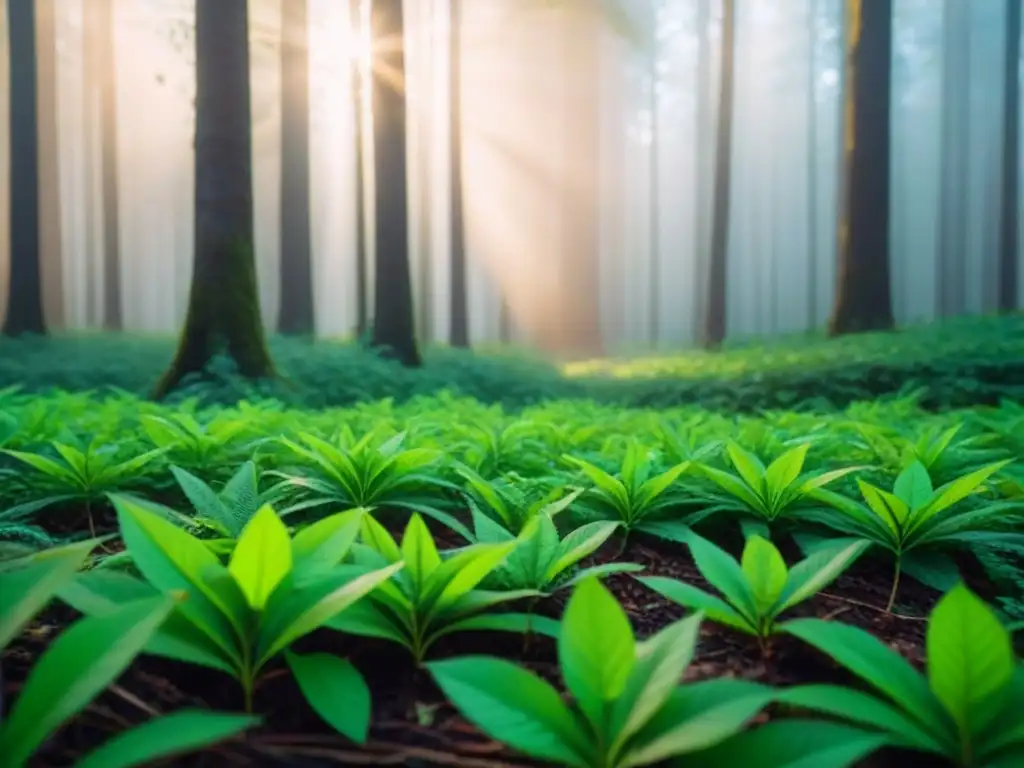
(714,321)
(358,88)
(1010,221)
(863,294)
(25,287)
(223,309)
(393,325)
(460,304)
(296,314)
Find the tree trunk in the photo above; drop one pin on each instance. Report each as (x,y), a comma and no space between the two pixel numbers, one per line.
(863,293)
(1010,221)
(460,304)
(393,325)
(223,308)
(25,289)
(296,315)
(714,320)
(358,88)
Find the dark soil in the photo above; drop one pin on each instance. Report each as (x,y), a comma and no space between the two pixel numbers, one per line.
(412,725)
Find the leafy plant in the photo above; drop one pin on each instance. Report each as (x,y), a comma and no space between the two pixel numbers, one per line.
(511,505)
(434,596)
(966,710)
(759,588)
(238,618)
(629,709)
(195,445)
(915,522)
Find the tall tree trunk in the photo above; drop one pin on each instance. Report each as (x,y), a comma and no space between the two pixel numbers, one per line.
(25,288)
(1010,216)
(394,330)
(224,307)
(863,294)
(714,321)
(358,91)
(460,304)
(296,315)
(102,99)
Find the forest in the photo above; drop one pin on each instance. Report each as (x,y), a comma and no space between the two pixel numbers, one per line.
(500,383)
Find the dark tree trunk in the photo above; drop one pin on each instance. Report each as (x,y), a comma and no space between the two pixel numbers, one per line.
(1009,228)
(863,294)
(25,291)
(101,74)
(714,320)
(460,304)
(358,88)
(296,315)
(394,331)
(224,307)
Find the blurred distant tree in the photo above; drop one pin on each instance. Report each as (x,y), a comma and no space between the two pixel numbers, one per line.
(224,308)
(25,291)
(459,308)
(1008,238)
(358,94)
(863,299)
(102,94)
(296,314)
(714,320)
(394,332)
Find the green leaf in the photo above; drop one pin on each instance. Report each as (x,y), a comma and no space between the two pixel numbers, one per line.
(970,659)
(748,465)
(459,575)
(793,744)
(892,510)
(175,734)
(319,547)
(914,486)
(596,649)
(784,471)
(515,707)
(724,574)
(813,574)
(765,572)
(578,544)
(336,691)
(657,485)
(83,661)
(959,489)
(205,500)
(262,557)
(27,590)
(419,552)
(696,599)
(376,536)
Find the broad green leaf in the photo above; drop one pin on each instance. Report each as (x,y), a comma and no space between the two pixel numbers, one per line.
(810,576)
(366,619)
(765,571)
(610,486)
(520,623)
(322,545)
(335,690)
(820,481)
(657,485)
(696,599)
(913,486)
(748,465)
(970,659)
(262,557)
(27,590)
(736,488)
(888,507)
(784,471)
(959,489)
(578,544)
(596,649)
(205,500)
(793,744)
(515,707)
(458,575)
(79,664)
(419,552)
(376,535)
(168,736)
(724,574)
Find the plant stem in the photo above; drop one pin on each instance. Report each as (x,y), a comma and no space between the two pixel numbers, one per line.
(247,686)
(88,514)
(895,586)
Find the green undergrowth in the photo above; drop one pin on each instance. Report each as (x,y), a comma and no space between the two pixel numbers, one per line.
(956,363)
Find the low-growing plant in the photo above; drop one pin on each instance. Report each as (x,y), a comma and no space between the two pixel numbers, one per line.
(434,596)
(915,522)
(190,443)
(759,588)
(967,709)
(629,707)
(237,619)
(511,505)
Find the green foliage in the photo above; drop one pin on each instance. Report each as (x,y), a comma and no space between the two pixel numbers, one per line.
(509,504)
(967,709)
(759,588)
(629,710)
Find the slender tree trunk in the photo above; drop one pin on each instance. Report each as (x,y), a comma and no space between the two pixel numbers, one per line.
(25,289)
(863,293)
(812,165)
(224,308)
(714,320)
(393,325)
(50,199)
(654,286)
(296,316)
(1010,216)
(459,308)
(358,90)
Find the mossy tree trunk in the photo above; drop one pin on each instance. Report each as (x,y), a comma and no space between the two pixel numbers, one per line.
(394,331)
(1010,221)
(25,291)
(223,309)
(296,315)
(459,335)
(863,299)
(715,316)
